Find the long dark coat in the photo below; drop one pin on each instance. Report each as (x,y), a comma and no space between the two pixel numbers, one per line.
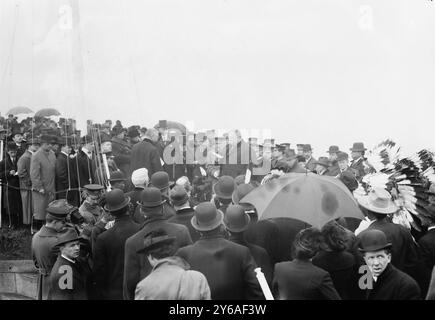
(86,169)
(301,280)
(23,166)
(108,270)
(427,246)
(263,233)
(121,151)
(394,284)
(184,217)
(137,266)
(343,268)
(228,267)
(259,254)
(79,281)
(145,155)
(358,168)
(66,177)
(13,199)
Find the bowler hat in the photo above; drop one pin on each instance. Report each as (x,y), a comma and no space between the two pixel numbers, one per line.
(116,200)
(307,148)
(160,180)
(178,195)
(379,201)
(235,218)
(342,156)
(241,191)
(59,209)
(151,242)
(358,147)
(323,161)
(206,217)
(69,235)
(117,176)
(333,149)
(224,188)
(151,197)
(373,240)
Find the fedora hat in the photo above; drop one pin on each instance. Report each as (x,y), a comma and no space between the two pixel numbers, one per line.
(373,240)
(151,197)
(206,217)
(307,147)
(116,200)
(379,201)
(160,180)
(333,149)
(69,235)
(358,147)
(236,219)
(241,191)
(151,242)
(224,188)
(178,195)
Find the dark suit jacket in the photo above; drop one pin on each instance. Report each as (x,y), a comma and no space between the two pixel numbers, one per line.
(136,266)
(301,280)
(263,233)
(394,284)
(228,267)
(427,246)
(86,169)
(108,270)
(79,278)
(145,155)
(184,217)
(358,168)
(64,174)
(6,166)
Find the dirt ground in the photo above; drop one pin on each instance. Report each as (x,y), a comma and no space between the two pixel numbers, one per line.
(15,244)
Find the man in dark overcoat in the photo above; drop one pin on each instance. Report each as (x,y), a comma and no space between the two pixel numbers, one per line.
(9,176)
(146,155)
(228,266)
(108,269)
(384,281)
(357,163)
(137,267)
(86,163)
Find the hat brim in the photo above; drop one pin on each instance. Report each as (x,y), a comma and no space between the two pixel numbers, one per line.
(220,194)
(154,244)
(151,204)
(364,202)
(119,207)
(78,238)
(180,202)
(376,248)
(358,150)
(241,229)
(213,225)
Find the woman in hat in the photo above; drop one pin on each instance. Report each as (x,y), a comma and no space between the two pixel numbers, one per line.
(170,278)
(300,279)
(334,258)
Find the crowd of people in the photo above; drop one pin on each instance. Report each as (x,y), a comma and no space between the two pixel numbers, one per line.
(114,219)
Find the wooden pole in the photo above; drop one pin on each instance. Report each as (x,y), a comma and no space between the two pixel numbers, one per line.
(1,188)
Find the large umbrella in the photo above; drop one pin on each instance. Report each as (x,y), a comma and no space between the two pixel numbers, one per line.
(173,125)
(307,197)
(47,112)
(19,110)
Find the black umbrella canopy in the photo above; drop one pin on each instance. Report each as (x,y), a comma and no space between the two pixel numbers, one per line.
(47,112)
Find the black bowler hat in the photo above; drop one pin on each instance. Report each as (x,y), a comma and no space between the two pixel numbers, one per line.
(116,200)
(333,149)
(373,240)
(151,197)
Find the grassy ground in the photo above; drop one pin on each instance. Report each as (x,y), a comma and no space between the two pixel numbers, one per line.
(15,244)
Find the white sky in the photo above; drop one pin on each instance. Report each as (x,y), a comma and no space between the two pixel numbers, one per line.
(311,71)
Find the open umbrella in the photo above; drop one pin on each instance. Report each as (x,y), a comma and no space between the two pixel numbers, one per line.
(19,110)
(307,197)
(47,112)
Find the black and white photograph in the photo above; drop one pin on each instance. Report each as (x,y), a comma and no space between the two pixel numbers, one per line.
(233,151)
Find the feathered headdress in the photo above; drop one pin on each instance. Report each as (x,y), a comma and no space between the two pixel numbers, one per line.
(408,180)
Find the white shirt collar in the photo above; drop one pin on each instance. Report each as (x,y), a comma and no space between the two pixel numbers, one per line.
(67,259)
(32,152)
(66,153)
(87,152)
(430,228)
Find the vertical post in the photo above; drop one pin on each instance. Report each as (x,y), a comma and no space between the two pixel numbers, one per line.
(1,188)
